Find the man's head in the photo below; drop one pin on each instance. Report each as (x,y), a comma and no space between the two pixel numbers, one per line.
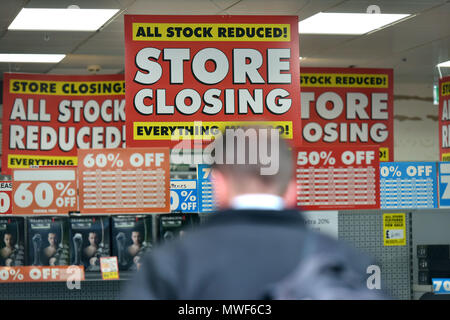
(8,239)
(93,239)
(136,237)
(250,160)
(52,238)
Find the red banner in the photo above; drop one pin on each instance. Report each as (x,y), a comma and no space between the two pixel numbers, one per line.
(132,180)
(44,191)
(41,274)
(348,106)
(338,178)
(47,117)
(444,118)
(188,77)
(5,197)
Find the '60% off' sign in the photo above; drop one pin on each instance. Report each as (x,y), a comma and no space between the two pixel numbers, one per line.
(44,191)
(131,180)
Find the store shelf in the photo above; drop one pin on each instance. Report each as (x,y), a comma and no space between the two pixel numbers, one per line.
(423,288)
(97,276)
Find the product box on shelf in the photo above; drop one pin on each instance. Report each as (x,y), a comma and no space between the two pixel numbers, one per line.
(433,262)
(89,241)
(132,237)
(12,241)
(174,225)
(48,241)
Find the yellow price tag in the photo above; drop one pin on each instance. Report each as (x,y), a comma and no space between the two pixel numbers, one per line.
(384,154)
(109,268)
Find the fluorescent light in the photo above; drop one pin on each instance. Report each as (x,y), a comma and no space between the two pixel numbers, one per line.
(445,64)
(61,19)
(435,94)
(33,58)
(346,23)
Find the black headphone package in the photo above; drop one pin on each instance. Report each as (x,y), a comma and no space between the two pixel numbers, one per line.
(132,237)
(12,241)
(174,225)
(48,241)
(89,241)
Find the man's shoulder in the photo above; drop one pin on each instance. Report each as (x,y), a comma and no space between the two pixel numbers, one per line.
(286,216)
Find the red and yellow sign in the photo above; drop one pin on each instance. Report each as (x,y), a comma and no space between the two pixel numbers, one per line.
(132,180)
(188,77)
(444,118)
(344,177)
(348,106)
(41,274)
(47,117)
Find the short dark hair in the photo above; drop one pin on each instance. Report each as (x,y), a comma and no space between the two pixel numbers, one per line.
(253,165)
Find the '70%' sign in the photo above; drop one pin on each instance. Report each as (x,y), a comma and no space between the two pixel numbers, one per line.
(44,191)
(441,286)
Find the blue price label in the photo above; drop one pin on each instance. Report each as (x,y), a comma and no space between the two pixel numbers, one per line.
(441,286)
(183,195)
(444,184)
(408,185)
(205,191)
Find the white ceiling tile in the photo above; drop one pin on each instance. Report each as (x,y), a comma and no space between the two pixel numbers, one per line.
(279,7)
(78,71)
(175,7)
(35,41)
(25,67)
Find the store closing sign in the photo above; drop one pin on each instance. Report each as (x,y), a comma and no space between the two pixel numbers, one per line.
(342,178)
(5,197)
(47,117)
(348,106)
(132,180)
(444,118)
(44,191)
(209,70)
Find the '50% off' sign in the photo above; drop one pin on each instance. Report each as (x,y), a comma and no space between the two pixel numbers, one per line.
(44,191)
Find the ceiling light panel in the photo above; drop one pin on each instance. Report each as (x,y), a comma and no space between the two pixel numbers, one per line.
(61,19)
(346,23)
(31,58)
(445,64)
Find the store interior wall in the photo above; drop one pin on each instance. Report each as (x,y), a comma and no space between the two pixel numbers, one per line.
(416,134)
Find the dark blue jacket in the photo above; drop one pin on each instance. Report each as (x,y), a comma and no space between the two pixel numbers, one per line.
(237,254)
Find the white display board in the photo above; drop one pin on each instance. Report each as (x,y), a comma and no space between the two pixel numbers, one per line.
(325,222)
